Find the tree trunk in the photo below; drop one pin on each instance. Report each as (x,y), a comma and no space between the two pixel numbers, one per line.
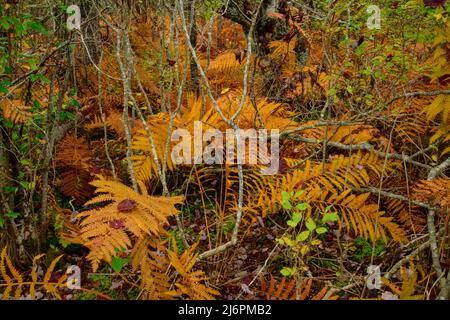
(267,29)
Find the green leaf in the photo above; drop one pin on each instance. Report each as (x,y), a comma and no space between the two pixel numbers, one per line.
(296,218)
(292,223)
(25,162)
(349,89)
(302,206)
(302,236)
(38,27)
(12,214)
(117,263)
(285,196)
(321,230)
(25,184)
(286,205)
(20,29)
(4,87)
(10,189)
(299,193)
(70,116)
(330,217)
(8,124)
(5,25)
(310,224)
(287,272)
(288,241)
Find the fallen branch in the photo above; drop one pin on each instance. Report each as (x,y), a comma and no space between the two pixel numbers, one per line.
(443,295)
(405,259)
(396,196)
(363,146)
(417,94)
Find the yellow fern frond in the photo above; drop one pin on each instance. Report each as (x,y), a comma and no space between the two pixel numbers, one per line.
(128,214)
(283,49)
(18,282)
(190,283)
(440,106)
(15,111)
(436,192)
(289,290)
(409,284)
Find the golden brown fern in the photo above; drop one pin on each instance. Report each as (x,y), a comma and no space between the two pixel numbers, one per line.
(74,152)
(74,159)
(290,290)
(326,185)
(226,62)
(360,215)
(339,174)
(408,215)
(190,282)
(437,192)
(439,106)
(144,164)
(409,284)
(407,119)
(126,215)
(439,110)
(13,279)
(149,256)
(15,111)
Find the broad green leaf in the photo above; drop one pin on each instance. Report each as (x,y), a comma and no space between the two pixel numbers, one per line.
(330,217)
(10,189)
(5,25)
(296,218)
(310,224)
(299,193)
(285,196)
(292,223)
(12,214)
(286,205)
(321,230)
(302,236)
(287,272)
(302,206)
(38,27)
(117,263)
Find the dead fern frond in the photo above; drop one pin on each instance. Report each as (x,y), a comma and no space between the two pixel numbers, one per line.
(436,192)
(13,279)
(127,214)
(439,106)
(409,284)
(190,282)
(15,111)
(408,215)
(149,256)
(289,290)
(74,152)
(74,159)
